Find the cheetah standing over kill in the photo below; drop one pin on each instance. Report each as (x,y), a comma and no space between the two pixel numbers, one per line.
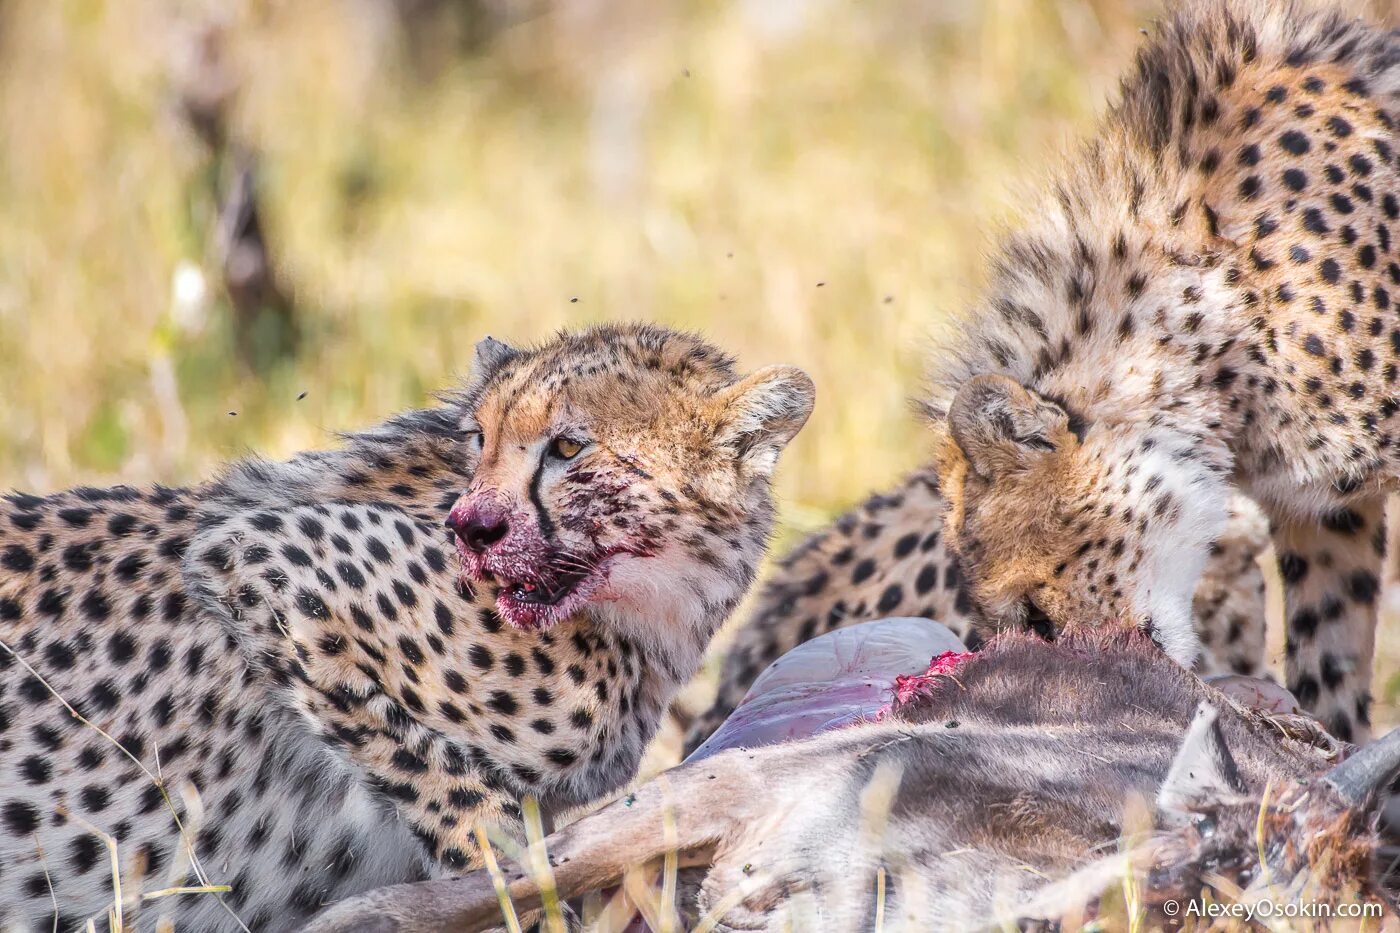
(887,557)
(296,644)
(1206,299)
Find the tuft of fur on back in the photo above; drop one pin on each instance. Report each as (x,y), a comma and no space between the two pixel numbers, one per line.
(1053,284)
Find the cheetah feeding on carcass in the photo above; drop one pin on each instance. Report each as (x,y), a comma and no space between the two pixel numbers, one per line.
(1206,300)
(888,557)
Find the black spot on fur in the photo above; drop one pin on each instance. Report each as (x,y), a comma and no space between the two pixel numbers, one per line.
(1294,142)
(17,558)
(20,817)
(890,598)
(1343,521)
(1306,690)
(1362,587)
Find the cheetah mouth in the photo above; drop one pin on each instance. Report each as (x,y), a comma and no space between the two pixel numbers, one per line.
(541,600)
(546,594)
(534,592)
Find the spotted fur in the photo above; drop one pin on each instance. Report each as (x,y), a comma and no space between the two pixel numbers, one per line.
(888,557)
(293,660)
(1206,299)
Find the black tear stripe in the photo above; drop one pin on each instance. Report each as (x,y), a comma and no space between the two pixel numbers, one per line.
(546,523)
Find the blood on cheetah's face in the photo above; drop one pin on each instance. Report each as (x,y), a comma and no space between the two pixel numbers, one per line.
(1055,525)
(623,471)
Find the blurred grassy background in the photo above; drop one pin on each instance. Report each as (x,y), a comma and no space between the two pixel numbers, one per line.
(805,181)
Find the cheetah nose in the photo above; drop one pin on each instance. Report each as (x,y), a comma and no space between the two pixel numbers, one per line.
(479,532)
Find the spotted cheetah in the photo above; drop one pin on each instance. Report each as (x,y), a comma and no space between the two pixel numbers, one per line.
(887,557)
(1205,300)
(294,680)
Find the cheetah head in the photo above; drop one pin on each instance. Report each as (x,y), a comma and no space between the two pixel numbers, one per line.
(623,471)
(1057,524)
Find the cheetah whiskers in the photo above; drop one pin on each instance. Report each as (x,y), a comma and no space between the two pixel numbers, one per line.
(574,562)
(567,564)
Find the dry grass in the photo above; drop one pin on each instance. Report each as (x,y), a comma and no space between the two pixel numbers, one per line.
(1110,886)
(809,186)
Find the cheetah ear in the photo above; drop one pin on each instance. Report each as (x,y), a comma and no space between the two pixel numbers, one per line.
(762,412)
(1000,425)
(1203,773)
(491,355)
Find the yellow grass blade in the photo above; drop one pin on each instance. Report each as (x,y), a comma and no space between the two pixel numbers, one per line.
(537,861)
(43,862)
(197,889)
(498,880)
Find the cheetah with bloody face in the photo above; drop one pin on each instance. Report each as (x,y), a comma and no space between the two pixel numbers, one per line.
(888,557)
(1206,299)
(304,690)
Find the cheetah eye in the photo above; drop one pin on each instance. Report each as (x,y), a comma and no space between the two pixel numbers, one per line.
(1037,621)
(565,448)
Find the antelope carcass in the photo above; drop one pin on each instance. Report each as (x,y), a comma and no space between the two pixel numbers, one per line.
(1029,782)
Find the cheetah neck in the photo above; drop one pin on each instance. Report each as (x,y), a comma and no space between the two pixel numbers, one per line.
(416,461)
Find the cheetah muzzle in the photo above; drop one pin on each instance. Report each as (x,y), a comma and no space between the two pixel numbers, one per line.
(537,582)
